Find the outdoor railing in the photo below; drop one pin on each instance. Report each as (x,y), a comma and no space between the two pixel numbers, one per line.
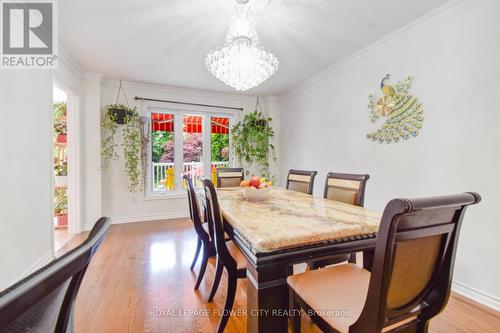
(161,171)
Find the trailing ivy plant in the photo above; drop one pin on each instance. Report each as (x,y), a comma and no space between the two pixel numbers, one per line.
(251,142)
(130,142)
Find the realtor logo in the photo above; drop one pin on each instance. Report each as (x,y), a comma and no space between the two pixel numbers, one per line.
(28,34)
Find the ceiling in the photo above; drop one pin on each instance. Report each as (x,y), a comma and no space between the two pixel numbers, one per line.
(166,41)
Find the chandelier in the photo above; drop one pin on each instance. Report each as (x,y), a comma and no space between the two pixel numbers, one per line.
(241,63)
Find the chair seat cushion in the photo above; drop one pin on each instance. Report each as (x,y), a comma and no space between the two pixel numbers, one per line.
(238,256)
(205,226)
(336,293)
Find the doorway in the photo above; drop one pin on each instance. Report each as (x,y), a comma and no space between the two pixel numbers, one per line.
(60,164)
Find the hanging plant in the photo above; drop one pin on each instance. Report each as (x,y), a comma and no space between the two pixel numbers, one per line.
(121,118)
(251,141)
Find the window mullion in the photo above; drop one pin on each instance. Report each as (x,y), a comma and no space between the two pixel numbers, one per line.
(207,144)
(178,151)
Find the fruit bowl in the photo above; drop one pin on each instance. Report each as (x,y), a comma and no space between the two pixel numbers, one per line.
(253,194)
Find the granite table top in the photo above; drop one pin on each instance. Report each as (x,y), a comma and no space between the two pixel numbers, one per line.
(292,219)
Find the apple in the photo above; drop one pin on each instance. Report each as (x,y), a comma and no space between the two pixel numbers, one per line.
(262,186)
(245,183)
(254,181)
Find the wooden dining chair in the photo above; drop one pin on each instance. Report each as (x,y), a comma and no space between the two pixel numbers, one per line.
(410,279)
(44,301)
(301,181)
(202,231)
(229,177)
(229,256)
(348,188)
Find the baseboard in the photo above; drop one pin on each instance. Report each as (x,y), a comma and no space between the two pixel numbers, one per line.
(476,295)
(142,218)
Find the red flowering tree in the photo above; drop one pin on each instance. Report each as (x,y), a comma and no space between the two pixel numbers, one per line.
(193,149)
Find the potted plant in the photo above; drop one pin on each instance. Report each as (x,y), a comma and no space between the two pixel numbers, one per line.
(61,208)
(119,113)
(251,141)
(120,118)
(61,174)
(60,121)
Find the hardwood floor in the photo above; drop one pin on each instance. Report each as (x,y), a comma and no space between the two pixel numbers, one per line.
(139,281)
(61,238)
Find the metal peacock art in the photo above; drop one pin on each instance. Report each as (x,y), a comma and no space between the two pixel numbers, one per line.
(403,112)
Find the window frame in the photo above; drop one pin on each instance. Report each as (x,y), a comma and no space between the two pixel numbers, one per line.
(179,114)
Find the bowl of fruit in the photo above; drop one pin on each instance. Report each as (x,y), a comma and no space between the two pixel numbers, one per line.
(256,189)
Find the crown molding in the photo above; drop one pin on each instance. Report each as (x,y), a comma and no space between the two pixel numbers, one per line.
(66,58)
(189,92)
(92,76)
(436,16)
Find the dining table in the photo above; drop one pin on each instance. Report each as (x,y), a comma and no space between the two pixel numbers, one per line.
(286,229)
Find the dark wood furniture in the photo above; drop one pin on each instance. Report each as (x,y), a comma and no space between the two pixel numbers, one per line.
(201,229)
(44,300)
(301,180)
(230,177)
(411,274)
(268,268)
(348,188)
(229,255)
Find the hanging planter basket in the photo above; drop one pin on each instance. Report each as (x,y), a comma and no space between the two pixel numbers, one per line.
(120,113)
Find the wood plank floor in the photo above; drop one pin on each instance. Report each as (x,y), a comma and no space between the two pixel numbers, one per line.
(139,281)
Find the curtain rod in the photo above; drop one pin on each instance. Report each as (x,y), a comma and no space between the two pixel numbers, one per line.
(186,103)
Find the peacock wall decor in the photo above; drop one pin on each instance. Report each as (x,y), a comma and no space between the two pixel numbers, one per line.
(402,112)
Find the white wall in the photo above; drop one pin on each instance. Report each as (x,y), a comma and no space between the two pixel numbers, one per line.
(117,202)
(25,172)
(454,56)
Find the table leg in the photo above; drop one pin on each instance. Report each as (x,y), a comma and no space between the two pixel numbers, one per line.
(267,299)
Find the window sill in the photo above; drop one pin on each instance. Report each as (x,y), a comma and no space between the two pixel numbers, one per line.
(165,196)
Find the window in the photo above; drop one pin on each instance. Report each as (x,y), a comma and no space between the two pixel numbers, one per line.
(184,142)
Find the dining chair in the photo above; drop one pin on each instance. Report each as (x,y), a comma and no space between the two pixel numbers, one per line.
(229,256)
(44,301)
(229,177)
(348,188)
(201,229)
(301,181)
(410,278)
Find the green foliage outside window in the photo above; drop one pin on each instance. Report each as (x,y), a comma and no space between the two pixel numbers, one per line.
(159,140)
(220,147)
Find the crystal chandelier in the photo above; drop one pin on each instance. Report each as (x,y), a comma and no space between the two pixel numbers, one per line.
(241,63)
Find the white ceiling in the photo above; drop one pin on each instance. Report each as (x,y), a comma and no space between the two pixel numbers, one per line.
(166,41)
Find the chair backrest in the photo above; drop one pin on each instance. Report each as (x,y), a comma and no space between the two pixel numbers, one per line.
(346,187)
(413,263)
(44,300)
(229,177)
(194,209)
(215,218)
(301,181)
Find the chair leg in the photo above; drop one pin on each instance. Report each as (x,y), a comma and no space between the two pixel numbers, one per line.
(294,311)
(203,267)
(232,280)
(215,284)
(352,258)
(196,254)
(423,326)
